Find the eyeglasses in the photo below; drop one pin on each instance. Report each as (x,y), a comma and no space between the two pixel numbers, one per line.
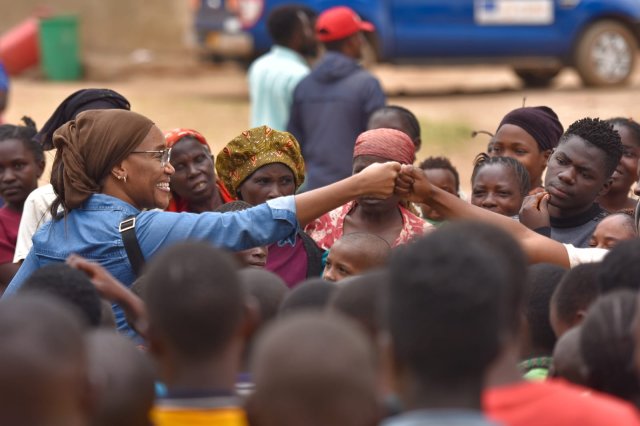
(163,155)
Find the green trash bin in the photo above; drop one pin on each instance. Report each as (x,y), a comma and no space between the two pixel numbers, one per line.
(59,49)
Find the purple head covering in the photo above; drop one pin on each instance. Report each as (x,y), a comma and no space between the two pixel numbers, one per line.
(540,122)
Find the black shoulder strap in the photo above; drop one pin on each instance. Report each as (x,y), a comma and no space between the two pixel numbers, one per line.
(127,229)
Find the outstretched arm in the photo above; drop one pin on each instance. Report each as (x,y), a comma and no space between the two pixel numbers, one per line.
(114,291)
(413,185)
(377,180)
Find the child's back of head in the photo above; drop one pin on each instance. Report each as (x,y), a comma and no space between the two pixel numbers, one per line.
(567,358)
(577,289)
(311,294)
(607,345)
(359,299)
(43,363)
(124,379)
(620,268)
(61,280)
(313,369)
(195,302)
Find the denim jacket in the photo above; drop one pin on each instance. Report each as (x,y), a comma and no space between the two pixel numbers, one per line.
(91,231)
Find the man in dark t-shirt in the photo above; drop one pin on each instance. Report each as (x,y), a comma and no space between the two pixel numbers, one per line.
(578,172)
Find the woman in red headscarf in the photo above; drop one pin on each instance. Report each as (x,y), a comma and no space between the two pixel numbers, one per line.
(386,218)
(194,186)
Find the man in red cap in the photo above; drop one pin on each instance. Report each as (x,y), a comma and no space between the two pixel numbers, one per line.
(331,106)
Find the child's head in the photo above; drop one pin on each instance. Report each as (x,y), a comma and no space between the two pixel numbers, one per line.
(195,304)
(606,344)
(499,184)
(528,135)
(567,358)
(311,294)
(43,363)
(442,174)
(620,267)
(359,299)
(266,288)
(123,377)
(313,369)
(613,229)
(21,163)
(255,256)
(542,280)
(577,289)
(354,254)
(399,118)
(447,294)
(626,172)
(61,280)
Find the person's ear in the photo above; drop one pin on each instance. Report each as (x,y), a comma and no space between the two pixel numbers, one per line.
(155,343)
(118,171)
(40,168)
(605,187)
(579,317)
(546,154)
(251,318)
(390,370)
(418,143)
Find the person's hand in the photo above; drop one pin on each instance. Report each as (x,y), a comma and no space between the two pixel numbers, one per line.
(379,179)
(412,184)
(108,287)
(534,213)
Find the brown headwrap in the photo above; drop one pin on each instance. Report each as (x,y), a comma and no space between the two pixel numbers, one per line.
(89,147)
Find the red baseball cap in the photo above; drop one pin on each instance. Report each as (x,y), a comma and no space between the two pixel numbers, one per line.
(340,22)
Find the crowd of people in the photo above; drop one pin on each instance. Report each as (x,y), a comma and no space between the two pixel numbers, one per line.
(309,273)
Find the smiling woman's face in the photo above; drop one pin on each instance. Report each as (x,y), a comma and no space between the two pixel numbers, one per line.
(147,183)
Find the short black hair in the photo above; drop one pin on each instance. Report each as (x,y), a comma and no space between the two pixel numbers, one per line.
(310,294)
(577,289)
(607,345)
(25,135)
(62,281)
(233,206)
(411,120)
(446,296)
(522,175)
(631,125)
(284,20)
(194,298)
(431,163)
(620,268)
(600,134)
(376,249)
(359,297)
(542,280)
(268,289)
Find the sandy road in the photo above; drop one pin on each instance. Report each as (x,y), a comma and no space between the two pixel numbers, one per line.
(214,100)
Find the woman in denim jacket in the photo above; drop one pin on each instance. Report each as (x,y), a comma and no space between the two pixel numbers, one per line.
(112,165)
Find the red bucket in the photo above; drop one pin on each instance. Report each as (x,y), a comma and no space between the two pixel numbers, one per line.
(19,48)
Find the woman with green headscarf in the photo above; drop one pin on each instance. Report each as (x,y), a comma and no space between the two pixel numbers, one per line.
(262,164)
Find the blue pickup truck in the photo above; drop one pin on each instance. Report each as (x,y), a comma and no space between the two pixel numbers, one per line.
(537,38)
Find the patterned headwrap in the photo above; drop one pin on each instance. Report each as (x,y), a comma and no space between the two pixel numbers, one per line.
(540,122)
(390,144)
(255,148)
(173,136)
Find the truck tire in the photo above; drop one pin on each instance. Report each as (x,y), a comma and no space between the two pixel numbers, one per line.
(537,77)
(605,54)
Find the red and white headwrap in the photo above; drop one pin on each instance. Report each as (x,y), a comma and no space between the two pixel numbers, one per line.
(173,136)
(391,144)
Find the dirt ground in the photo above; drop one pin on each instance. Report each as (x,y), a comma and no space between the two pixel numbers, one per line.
(450,102)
